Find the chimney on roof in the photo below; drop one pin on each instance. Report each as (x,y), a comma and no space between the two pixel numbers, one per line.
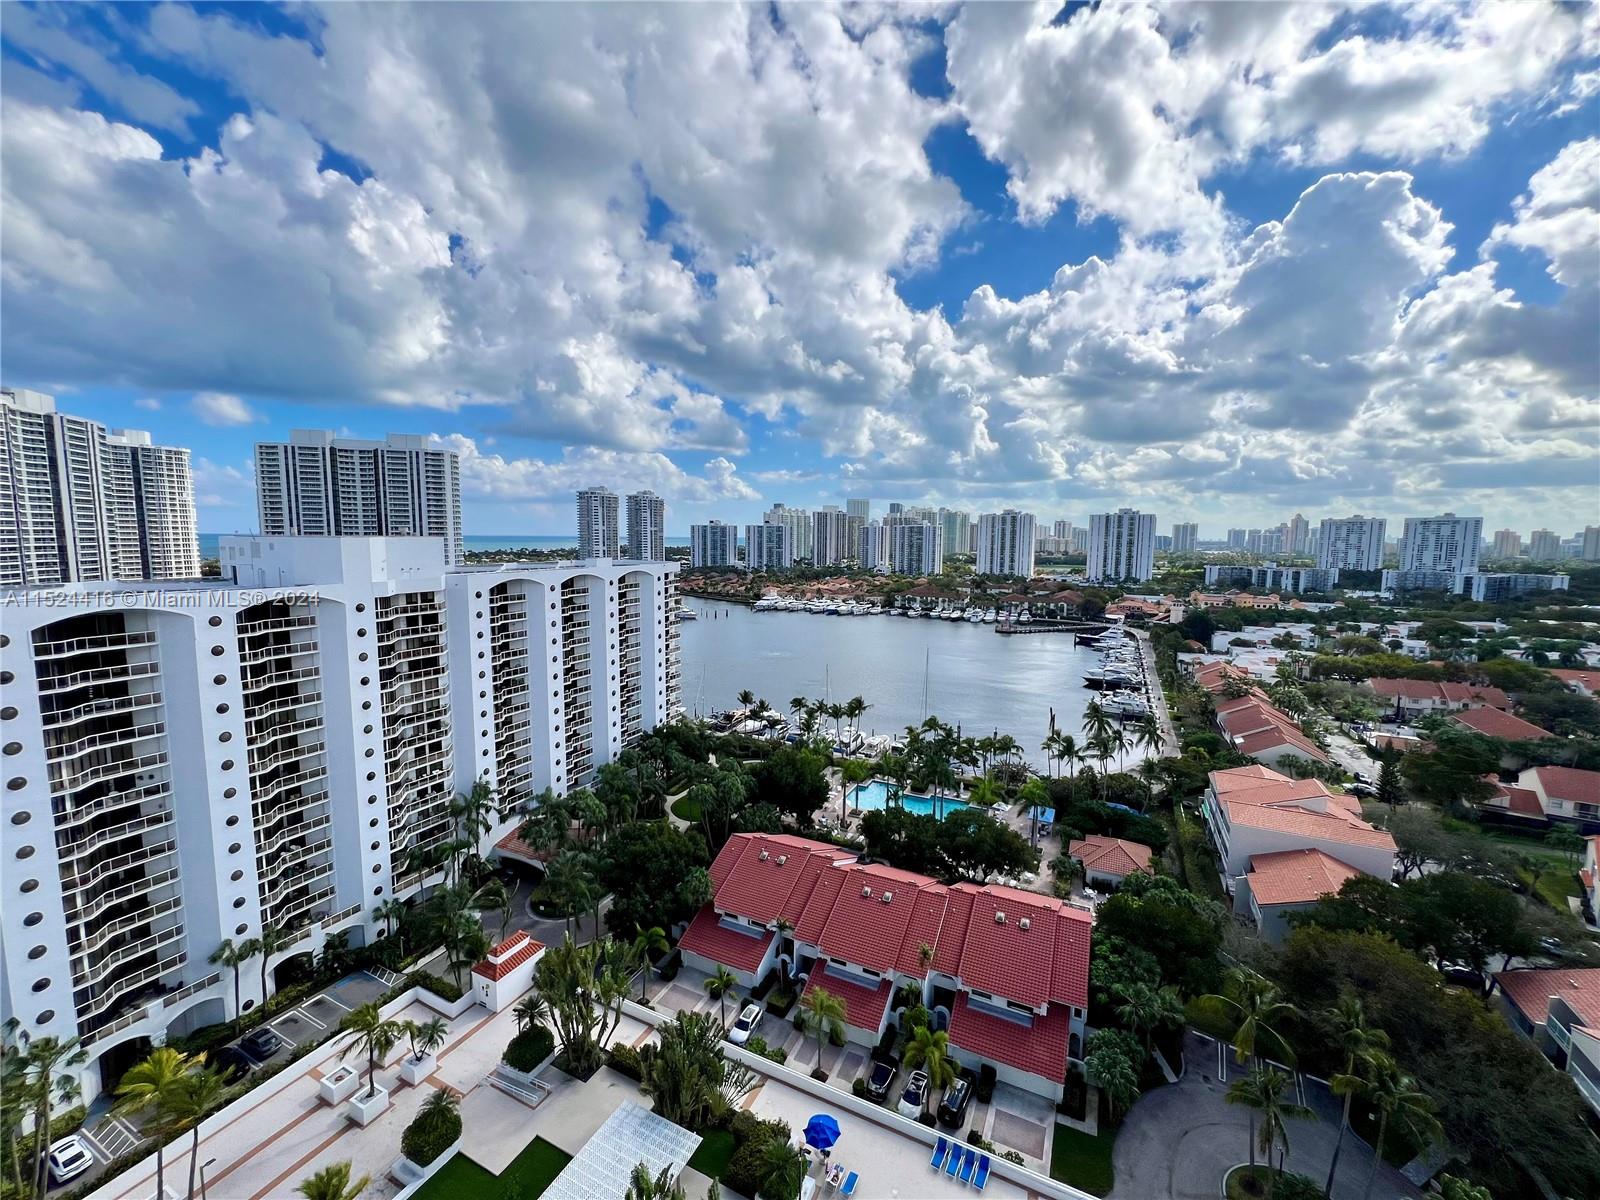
(999,918)
(763,856)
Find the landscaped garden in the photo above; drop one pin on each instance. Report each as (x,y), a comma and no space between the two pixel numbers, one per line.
(1082,1160)
(529,1174)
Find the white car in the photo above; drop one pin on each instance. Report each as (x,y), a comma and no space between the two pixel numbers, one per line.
(914,1098)
(745,1025)
(69,1158)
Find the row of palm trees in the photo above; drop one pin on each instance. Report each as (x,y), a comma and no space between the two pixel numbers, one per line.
(808,715)
(1366,1072)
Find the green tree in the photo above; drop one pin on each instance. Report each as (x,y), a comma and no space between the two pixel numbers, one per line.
(904,839)
(1262,1090)
(720,985)
(1181,930)
(571,883)
(1359,1045)
(272,940)
(822,1013)
(1113,1064)
(655,874)
(929,1050)
(645,943)
(793,781)
(1400,1104)
(1146,1010)
(1257,1010)
(46,1070)
(151,1087)
(333,1183)
(583,988)
(976,846)
(686,1074)
(233,957)
(425,1036)
(1389,790)
(644,1186)
(783,1170)
(365,1029)
(195,1095)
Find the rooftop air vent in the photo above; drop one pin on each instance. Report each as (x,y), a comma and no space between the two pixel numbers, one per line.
(887,897)
(763,856)
(866,891)
(1022,924)
(999,918)
(782,858)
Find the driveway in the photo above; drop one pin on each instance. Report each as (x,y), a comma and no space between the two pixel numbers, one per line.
(1179,1141)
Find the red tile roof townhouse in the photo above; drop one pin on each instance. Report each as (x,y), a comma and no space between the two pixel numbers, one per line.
(1006,971)
(1492,722)
(1585,683)
(1566,794)
(1109,860)
(1534,996)
(1254,724)
(1289,880)
(1418,697)
(1255,814)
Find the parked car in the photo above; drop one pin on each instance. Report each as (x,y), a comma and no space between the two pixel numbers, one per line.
(69,1158)
(261,1044)
(953,1108)
(914,1095)
(1553,947)
(880,1081)
(1361,777)
(745,1025)
(1462,976)
(1362,790)
(232,1063)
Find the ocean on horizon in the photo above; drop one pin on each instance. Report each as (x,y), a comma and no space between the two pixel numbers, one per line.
(209,542)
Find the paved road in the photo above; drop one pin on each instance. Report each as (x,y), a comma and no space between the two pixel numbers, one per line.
(1179,1141)
(1350,754)
(1158,697)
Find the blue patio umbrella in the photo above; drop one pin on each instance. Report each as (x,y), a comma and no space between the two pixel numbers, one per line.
(822,1131)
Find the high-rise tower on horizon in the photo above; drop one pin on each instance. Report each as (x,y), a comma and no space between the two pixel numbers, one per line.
(598,532)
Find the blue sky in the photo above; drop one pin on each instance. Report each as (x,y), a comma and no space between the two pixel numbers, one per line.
(1224,263)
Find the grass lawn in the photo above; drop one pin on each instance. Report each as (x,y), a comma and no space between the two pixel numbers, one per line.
(715,1150)
(1082,1161)
(1556,884)
(1207,1022)
(686,809)
(527,1177)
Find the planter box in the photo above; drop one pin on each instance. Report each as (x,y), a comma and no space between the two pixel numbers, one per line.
(339,1085)
(415,1070)
(411,1177)
(447,1008)
(364,1109)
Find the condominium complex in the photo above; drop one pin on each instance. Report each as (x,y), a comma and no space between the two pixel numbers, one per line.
(81,503)
(188,762)
(599,534)
(1351,543)
(1589,551)
(1544,545)
(830,537)
(767,548)
(1507,544)
(319,485)
(713,545)
(1185,536)
(1272,577)
(1005,543)
(798,522)
(955,527)
(1122,545)
(1298,531)
(647,524)
(915,549)
(1446,543)
(859,508)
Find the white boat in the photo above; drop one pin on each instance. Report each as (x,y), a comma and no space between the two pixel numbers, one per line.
(974,616)
(990,617)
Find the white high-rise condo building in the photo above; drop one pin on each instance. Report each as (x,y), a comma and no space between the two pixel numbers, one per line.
(1544,545)
(875,546)
(1122,545)
(798,522)
(1590,551)
(1237,538)
(320,485)
(713,545)
(1351,543)
(915,549)
(81,503)
(599,532)
(830,537)
(187,762)
(1185,536)
(647,525)
(955,527)
(1445,543)
(1507,544)
(859,508)
(1299,531)
(766,548)
(1005,543)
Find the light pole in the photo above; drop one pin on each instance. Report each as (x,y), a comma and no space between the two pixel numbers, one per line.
(203,1167)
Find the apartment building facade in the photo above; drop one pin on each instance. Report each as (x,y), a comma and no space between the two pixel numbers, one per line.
(830,537)
(599,530)
(1448,544)
(189,762)
(83,503)
(1122,545)
(767,548)
(1185,537)
(647,527)
(1351,543)
(1006,543)
(713,545)
(319,485)
(798,522)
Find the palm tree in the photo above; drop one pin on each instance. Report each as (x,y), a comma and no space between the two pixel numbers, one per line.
(853,709)
(796,704)
(366,1029)
(196,1094)
(391,912)
(1358,1044)
(1145,1009)
(645,943)
(1256,1008)
(929,1049)
(644,1186)
(233,957)
(153,1084)
(472,816)
(270,942)
(783,1170)
(572,885)
(1070,755)
(851,773)
(1396,1099)
(1262,1091)
(746,699)
(822,1013)
(531,1010)
(1096,723)
(548,825)
(46,1068)
(1147,733)
(720,986)
(425,1036)
(1150,772)
(333,1183)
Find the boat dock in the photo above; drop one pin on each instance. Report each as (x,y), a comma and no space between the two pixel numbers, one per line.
(1036,625)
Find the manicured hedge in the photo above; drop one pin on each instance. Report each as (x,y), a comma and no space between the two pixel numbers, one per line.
(529,1048)
(625,1060)
(434,1131)
(445,989)
(743,1173)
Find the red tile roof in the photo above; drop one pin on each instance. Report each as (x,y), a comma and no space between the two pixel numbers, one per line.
(867,923)
(708,936)
(1524,802)
(1047,961)
(513,845)
(1588,680)
(863,1005)
(1530,990)
(1038,1047)
(508,956)
(1260,797)
(1569,783)
(1296,876)
(1451,693)
(1491,722)
(766,876)
(1110,856)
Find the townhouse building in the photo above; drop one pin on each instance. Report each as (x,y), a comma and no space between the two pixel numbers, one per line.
(1558,1010)
(1004,972)
(1413,698)
(188,762)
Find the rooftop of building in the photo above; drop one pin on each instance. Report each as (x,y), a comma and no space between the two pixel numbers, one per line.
(1493,722)
(1530,990)
(1297,876)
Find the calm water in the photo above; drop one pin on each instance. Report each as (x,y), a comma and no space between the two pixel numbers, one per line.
(472,541)
(875,795)
(975,677)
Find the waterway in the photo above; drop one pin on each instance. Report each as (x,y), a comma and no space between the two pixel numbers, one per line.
(904,669)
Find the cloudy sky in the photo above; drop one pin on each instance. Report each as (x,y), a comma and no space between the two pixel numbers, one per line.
(1219,261)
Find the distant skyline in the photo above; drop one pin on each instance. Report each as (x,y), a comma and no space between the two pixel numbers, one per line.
(1221,263)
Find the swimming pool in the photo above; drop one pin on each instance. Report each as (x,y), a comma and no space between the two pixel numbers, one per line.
(875,795)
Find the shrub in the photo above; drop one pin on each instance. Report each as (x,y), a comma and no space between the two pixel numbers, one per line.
(781,1000)
(985,1086)
(1290,1186)
(858,1088)
(434,1130)
(625,1061)
(743,1173)
(758,1045)
(530,1048)
(445,989)
(1012,1156)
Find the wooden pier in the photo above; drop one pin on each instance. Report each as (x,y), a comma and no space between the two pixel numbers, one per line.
(1092,628)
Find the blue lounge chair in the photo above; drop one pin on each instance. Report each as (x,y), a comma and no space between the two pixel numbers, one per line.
(940,1149)
(982,1177)
(968,1161)
(954,1165)
(848,1188)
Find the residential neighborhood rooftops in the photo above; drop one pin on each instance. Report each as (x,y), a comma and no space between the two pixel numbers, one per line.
(1039,1048)
(1578,680)
(1566,783)
(863,1005)
(1109,855)
(1261,797)
(508,955)
(1493,722)
(1530,989)
(709,935)
(1297,876)
(1425,690)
